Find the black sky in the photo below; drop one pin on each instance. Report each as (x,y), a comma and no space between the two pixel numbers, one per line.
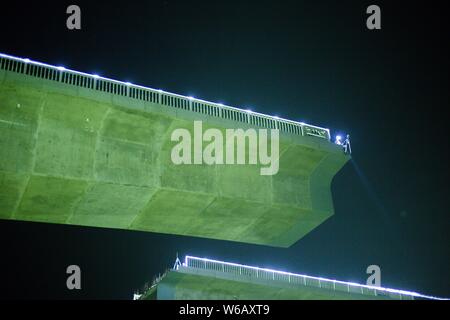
(313,61)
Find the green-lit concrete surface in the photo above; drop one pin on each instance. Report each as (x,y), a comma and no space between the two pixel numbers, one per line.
(77,156)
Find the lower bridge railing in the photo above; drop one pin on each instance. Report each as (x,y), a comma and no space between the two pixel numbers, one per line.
(256,273)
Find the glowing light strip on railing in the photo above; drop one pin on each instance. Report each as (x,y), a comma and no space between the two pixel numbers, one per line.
(409,293)
(220,105)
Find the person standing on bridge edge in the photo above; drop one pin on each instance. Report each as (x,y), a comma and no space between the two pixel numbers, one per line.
(346,145)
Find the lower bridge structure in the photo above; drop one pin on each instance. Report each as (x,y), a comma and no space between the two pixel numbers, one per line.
(207,279)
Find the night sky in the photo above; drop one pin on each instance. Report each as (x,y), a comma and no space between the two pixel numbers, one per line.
(311,61)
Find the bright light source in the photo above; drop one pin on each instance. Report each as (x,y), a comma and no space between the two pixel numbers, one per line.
(96,76)
(276,117)
(249,111)
(220,103)
(191,98)
(26,60)
(61,68)
(338,137)
(128,83)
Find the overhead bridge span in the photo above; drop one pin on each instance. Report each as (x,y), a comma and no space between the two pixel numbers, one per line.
(81,149)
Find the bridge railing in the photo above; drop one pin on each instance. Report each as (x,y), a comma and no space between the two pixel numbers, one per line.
(95,82)
(249,272)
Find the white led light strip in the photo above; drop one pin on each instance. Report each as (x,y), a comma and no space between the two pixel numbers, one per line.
(189,259)
(284,125)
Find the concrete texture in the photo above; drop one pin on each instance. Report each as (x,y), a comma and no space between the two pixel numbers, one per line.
(78,156)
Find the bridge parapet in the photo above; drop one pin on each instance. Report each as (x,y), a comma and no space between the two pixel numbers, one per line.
(239,272)
(125,89)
